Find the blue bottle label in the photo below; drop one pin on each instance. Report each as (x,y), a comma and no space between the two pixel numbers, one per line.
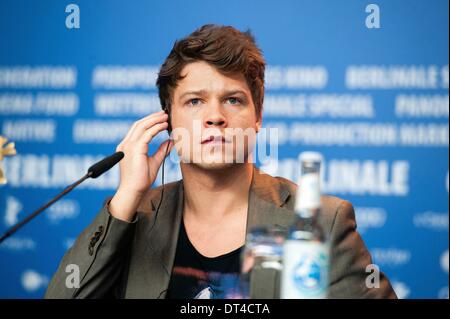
(305,270)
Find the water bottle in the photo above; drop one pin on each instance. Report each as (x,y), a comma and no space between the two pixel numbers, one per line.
(306,250)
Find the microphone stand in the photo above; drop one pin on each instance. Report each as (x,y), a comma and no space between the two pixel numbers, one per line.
(13,229)
(94,171)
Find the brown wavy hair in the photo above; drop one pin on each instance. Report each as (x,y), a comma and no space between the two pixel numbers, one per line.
(224,47)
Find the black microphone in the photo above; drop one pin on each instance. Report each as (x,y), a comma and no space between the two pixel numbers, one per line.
(94,171)
(104,165)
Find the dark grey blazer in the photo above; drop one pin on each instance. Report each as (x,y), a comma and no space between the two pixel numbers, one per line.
(126,260)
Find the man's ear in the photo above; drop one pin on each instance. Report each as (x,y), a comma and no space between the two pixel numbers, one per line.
(258,124)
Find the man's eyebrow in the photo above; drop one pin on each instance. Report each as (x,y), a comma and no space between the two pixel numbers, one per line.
(204,92)
(199,92)
(233,92)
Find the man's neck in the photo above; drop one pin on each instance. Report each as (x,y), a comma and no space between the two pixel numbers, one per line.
(210,195)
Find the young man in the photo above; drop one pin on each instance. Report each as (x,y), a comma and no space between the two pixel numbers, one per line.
(184,246)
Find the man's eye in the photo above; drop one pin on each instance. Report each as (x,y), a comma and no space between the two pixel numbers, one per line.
(194,102)
(233,100)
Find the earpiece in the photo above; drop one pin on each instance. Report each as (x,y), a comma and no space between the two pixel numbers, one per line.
(169,128)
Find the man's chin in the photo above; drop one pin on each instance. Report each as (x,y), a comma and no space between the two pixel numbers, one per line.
(217,161)
(217,164)
(214,166)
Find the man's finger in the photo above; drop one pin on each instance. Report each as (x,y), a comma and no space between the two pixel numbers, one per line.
(144,125)
(135,124)
(150,133)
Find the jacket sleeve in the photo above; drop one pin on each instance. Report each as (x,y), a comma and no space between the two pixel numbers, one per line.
(99,253)
(349,259)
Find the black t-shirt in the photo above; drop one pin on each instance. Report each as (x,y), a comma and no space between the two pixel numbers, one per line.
(200,277)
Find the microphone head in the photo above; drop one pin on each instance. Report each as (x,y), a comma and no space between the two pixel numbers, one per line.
(104,165)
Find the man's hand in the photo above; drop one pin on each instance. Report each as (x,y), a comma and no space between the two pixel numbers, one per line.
(138,170)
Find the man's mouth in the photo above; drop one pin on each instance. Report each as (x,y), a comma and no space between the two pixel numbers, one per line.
(214,140)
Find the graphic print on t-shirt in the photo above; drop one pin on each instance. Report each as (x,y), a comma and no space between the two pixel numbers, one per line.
(195,276)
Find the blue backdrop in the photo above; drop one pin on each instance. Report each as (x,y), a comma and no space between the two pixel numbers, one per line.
(365,85)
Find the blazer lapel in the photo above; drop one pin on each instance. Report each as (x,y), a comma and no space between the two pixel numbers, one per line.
(268,202)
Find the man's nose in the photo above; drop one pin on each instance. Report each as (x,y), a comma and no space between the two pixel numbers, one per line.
(215,116)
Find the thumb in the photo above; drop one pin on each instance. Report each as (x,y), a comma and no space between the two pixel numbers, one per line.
(156,159)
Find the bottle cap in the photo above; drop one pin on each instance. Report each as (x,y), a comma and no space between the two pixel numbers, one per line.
(310,157)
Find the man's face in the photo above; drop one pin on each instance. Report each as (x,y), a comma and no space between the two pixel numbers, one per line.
(213,117)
